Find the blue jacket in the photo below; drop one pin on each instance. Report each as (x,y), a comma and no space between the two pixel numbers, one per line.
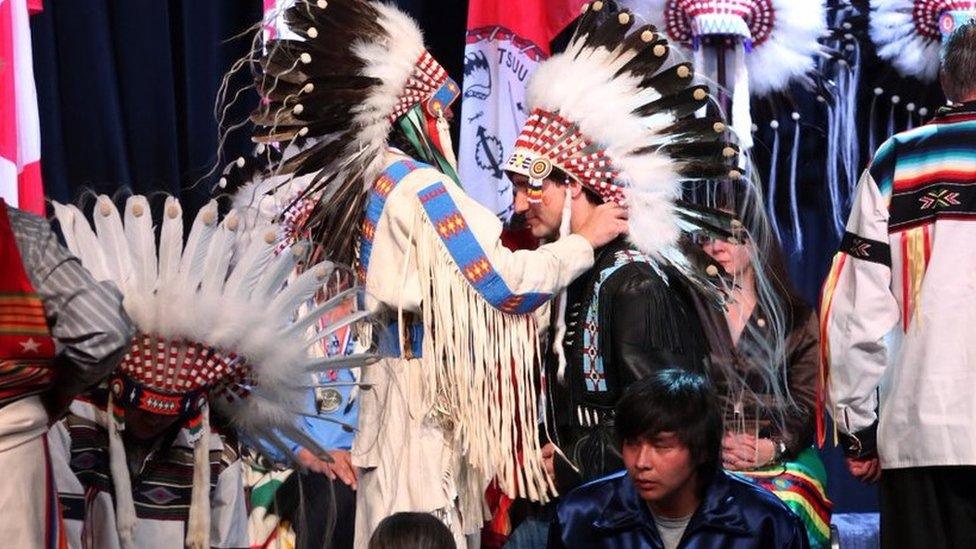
(733,514)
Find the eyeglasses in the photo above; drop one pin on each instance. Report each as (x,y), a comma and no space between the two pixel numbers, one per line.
(739,236)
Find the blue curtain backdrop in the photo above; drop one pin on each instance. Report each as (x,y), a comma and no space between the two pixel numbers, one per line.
(126,91)
(127,87)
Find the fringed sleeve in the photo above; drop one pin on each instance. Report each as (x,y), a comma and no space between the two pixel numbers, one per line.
(442,257)
(481,339)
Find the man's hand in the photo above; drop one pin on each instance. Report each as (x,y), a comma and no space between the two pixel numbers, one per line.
(742,451)
(865,470)
(607,222)
(548,460)
(340,467)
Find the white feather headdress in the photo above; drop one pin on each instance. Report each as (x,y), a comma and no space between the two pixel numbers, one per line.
(606,115)
(907,33)
(781,37)
(209,335)
(188,297)
(356,69)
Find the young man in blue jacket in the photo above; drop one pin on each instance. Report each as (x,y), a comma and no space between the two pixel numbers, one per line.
(674,492)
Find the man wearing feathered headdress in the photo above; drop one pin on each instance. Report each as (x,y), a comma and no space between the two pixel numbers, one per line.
(368,105)
(138,462)
(627,131)
(155,461)
(635,310)
(60,332)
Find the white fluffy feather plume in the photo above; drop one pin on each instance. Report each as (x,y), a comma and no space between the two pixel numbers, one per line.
(248,310)
(792,49)
(596,97)
(392,63)
(788,54)
(261,202)
(894,32)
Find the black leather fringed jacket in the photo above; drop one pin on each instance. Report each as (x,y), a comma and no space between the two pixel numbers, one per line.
(626,319)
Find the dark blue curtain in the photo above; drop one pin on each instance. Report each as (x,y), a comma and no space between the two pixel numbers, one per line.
(126,90)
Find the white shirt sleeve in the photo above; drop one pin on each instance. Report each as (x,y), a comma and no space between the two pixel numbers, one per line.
(860,310)
(228,522)
(392,276)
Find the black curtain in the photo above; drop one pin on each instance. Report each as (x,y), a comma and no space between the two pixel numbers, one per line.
(127,88)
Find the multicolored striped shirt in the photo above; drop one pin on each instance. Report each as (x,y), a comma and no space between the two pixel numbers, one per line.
(162,487)
(929,173)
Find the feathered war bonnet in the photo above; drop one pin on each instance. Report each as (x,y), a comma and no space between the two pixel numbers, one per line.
(909,33)
(780,37)
(209,335)
(758,48)
(626,128)
(775,42)
(357,71)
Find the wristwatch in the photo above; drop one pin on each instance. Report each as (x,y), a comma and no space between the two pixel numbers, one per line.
(861,445)
(779,449)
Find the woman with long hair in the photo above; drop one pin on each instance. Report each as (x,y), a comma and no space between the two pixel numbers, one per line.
(769,427)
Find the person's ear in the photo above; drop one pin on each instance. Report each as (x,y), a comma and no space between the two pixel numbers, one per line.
(575,189)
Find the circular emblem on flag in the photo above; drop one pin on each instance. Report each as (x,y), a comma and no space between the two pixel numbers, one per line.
(330,401)
(489,153)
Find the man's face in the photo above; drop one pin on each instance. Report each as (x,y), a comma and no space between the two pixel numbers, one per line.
(145,425)
(661,467)
(542,219)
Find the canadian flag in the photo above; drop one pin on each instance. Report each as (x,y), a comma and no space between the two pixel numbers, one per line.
(506,40)
(20,132)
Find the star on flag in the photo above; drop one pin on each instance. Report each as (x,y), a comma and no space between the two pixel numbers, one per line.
(30,346)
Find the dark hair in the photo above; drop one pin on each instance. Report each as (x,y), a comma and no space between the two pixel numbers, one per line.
(591,196)
(411,531)
(561,178)
(958,65)
(398,140)
(674,401)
